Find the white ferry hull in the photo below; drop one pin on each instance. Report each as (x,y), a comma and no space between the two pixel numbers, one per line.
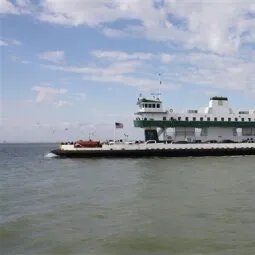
(157,150)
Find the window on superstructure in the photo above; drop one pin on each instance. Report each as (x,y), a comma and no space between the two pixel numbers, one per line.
(194,118)
(208,118)
(164,118)
(149,105)
(242,119)
(229,119)
(236,119)
(145,105)
(201,118)
(145,118)
(153,106)
(215,119)
(249,119)
(172,118)
(187,118)
(222,119)
(179,118)
(158,105)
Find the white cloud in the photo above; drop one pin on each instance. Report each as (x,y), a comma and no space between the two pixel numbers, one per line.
(23,3)
(6,7)
(214,71)
(17,59)
(62,103)
(26,62)
(14,58)
(218,26)
(17,8)
(211,93)
(177,69)
(141,83)
(166,58)
(3,43)
(28,101)
(78,12)
(15,42)
(113,68)
(79,96)
(110,32)
(117,73)
(209,25)
(124,56)
(45,92)
(53,56)
(120,72)
(211,38)
(121,56)
(6,42)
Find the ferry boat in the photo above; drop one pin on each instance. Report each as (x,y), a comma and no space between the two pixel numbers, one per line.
(215,130)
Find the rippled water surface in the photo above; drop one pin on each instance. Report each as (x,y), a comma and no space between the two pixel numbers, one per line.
(125,206)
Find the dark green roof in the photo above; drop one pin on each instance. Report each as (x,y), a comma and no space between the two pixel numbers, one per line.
(219,98)
(144,100)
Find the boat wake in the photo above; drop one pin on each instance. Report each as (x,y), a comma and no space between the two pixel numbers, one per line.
(50,155)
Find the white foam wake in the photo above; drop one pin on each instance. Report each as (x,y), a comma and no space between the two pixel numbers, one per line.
(50,155)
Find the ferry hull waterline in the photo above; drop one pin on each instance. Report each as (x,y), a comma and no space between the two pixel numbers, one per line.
(216,130)
(154,153)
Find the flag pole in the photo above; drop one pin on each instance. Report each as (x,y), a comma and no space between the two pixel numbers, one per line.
(114,132)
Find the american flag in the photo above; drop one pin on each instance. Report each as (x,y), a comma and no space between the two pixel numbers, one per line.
(118,125)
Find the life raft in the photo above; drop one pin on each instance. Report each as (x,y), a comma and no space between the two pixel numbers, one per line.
(87,144)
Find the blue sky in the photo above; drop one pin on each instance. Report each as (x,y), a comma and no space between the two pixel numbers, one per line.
(72,67)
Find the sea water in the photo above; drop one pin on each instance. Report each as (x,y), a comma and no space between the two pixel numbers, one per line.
(154,206)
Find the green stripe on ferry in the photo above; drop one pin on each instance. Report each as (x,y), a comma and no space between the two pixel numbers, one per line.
(197,124)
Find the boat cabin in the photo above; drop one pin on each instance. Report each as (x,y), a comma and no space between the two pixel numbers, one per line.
(147,105)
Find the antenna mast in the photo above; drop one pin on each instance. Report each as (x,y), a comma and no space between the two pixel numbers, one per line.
(160,82)
(159,93)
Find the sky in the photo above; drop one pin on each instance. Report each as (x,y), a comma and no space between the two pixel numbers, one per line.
(70,68)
